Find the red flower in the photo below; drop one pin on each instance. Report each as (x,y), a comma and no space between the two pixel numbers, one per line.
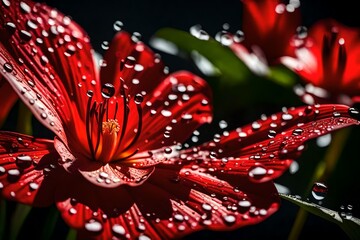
(327,61)
(268,26)
(116,166)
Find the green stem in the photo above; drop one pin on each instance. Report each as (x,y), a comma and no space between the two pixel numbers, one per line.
(24,119)
(22,211)
(17,220)
(321,173)
(50,223)
(71,234)
(2,218)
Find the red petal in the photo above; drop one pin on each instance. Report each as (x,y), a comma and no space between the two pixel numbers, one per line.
(27,169)
(264,149)
(270,25)
(47,59)
(169,205)
(135,63)
(179,105)
(7,98)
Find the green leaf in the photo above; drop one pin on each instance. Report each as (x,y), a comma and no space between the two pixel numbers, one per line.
(282,76)
(218,60)
(351,226)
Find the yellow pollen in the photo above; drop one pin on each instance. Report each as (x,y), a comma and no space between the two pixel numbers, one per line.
(111,126)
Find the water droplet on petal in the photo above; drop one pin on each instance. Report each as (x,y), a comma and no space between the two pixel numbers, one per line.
(118,230)
(25,8)
(107,90)
(10,27)
(239,36)
(25,35)
(166,113)
(33,186)
(229,219)
(93,226)
(6,3)
(138,98)
(144,237)
(13,175)
(8,67)
(257,173)
(353,112)
(23,161)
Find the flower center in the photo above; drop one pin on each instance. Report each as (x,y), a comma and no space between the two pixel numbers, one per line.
(112,136)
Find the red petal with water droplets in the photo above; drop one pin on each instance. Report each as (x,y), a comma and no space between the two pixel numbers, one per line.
(179,105)
(7,98)
(28,171)
(328,59)
(134,62)
(264,149)
(169,205)
(270,25)
(47,59)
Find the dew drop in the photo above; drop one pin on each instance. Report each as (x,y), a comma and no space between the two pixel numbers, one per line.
(6,3)
(70,50)
(43,115)
(206,207)
(117,26)
(238,36)
(23,161)
(25,35)
(143,237)
(33,186)
(129,62)
(223,124)
(168,150)
(297,132)
(166,113)
(2,170)
(229,219)
(255,126)
(8,67)
(72,211)
(271,134)
(25,8)
(257,173)
(301,32)
(353,112)
(13,175)
(319,191)
(107,90)
(178,217)
(118,230)
(286,117)
(93,226)
(105,45)
(10,27)
(90,93)
(138,98)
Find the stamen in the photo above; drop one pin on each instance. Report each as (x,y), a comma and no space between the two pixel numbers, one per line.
(111,126)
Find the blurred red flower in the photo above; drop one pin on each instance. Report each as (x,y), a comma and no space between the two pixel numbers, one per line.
(117,166)
(327,61)
(268,27)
